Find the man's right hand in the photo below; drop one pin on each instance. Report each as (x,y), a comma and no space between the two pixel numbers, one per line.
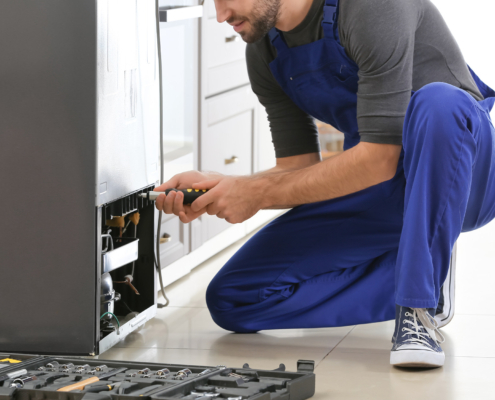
(172,204)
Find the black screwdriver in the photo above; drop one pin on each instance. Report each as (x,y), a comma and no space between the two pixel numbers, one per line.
(189,194)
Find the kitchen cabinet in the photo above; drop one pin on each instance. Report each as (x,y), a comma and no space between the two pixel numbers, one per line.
(233,138)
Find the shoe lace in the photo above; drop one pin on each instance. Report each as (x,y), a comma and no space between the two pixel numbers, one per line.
(421,327)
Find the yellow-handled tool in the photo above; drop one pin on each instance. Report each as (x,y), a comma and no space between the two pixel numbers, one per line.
(82,384)
(11,361)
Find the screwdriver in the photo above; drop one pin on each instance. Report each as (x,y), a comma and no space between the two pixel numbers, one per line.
(189,194)
(82,384)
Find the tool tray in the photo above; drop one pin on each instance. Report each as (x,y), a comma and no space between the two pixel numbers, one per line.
(202,383)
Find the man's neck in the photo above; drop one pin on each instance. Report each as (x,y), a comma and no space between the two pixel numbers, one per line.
(292,13)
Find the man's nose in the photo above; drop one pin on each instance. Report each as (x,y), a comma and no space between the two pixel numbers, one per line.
(223,13)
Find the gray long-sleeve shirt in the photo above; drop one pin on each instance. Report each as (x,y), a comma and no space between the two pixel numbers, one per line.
(398,45)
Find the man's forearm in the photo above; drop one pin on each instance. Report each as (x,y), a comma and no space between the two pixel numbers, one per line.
(356,169)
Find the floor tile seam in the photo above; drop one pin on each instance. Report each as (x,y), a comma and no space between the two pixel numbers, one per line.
(475,315)
(334,347)
(377,351)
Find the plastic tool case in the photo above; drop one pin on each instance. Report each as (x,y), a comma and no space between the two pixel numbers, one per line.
(152,381)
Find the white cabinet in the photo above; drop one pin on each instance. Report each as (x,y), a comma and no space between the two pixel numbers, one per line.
(174,240)
(224,55)
(234,139)
(227,142)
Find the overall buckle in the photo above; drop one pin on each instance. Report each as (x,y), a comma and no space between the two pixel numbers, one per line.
(329,14)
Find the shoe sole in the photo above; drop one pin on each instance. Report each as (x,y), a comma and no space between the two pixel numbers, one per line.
(417,359)
(448,293)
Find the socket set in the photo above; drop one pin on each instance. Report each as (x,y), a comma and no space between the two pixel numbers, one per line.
(62,378)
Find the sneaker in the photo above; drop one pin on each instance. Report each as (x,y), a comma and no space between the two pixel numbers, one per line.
(416,341)
(446,304)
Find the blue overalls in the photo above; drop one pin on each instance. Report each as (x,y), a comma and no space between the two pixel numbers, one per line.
(349,260)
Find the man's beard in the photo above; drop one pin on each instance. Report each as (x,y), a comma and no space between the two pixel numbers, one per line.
(264,17)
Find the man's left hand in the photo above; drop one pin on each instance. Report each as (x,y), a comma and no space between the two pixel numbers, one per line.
(233,198)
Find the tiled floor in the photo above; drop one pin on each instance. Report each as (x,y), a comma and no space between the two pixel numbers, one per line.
(352,362)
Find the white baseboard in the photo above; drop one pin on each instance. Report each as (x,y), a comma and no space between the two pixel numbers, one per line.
(186,264)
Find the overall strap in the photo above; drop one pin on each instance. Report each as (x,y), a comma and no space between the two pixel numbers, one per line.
(329,22)
(277,40)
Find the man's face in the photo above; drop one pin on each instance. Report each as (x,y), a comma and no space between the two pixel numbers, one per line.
(252,19)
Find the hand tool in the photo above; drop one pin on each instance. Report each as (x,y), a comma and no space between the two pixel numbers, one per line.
(97,369)
(131,374)
(82,384)
(146,376)
(183,373)
(189,194)
(102,388)
(11,361)
(163,372)
(13,375)
(81,368)
(144,371)
(20,382)
(66,367)
(51,366)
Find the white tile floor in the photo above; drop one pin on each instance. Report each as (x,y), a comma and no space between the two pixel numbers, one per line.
(352,362)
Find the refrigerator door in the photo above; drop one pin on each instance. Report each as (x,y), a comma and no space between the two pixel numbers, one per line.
(128,98)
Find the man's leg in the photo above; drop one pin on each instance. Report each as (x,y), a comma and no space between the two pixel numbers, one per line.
(444,131)
(319,265)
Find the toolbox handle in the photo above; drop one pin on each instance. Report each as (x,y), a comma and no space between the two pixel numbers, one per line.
(305,365)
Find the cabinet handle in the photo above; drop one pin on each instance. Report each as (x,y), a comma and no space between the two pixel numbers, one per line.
(165,238)
(233,38)
(231,160)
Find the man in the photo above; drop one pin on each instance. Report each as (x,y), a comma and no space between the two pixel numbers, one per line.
(372,229)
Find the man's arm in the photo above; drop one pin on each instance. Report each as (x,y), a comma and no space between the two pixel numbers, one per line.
(363,166)
(237,199)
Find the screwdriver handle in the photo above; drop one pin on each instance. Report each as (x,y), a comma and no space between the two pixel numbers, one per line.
(79,385)
(189,194)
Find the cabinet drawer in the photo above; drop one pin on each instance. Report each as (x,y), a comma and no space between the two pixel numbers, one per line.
(225,77)
(174,239)
(229,104)
(227,146)
(223,45)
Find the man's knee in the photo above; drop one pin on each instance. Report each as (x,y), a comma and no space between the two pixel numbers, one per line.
(223,309)
(439,106)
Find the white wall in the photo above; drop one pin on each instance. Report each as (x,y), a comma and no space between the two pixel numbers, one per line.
(472,23)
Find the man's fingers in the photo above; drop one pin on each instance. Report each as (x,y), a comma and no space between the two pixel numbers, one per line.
(168,207)
(189,215)
(159,202)
(206,184)
(202,201)
(172,183)
(179,203)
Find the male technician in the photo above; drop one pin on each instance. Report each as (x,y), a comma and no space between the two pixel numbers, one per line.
(371,231)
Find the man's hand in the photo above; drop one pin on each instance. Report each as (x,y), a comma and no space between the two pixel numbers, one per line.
(233,198)
(172,204)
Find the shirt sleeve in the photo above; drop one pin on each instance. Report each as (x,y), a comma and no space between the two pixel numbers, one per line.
(293,131)
(379,36)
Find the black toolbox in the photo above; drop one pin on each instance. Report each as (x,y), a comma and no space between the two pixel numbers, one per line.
(150,381)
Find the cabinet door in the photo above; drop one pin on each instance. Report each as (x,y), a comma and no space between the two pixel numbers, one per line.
(224,55)
(174,239)
(226,142)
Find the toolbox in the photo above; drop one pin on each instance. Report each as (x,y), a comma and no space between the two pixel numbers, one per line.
(78,378)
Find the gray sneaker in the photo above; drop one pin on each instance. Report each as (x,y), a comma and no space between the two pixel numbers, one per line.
(416,340)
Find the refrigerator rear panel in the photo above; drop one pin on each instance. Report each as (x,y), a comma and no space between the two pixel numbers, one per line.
(47,172)
(128,98)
